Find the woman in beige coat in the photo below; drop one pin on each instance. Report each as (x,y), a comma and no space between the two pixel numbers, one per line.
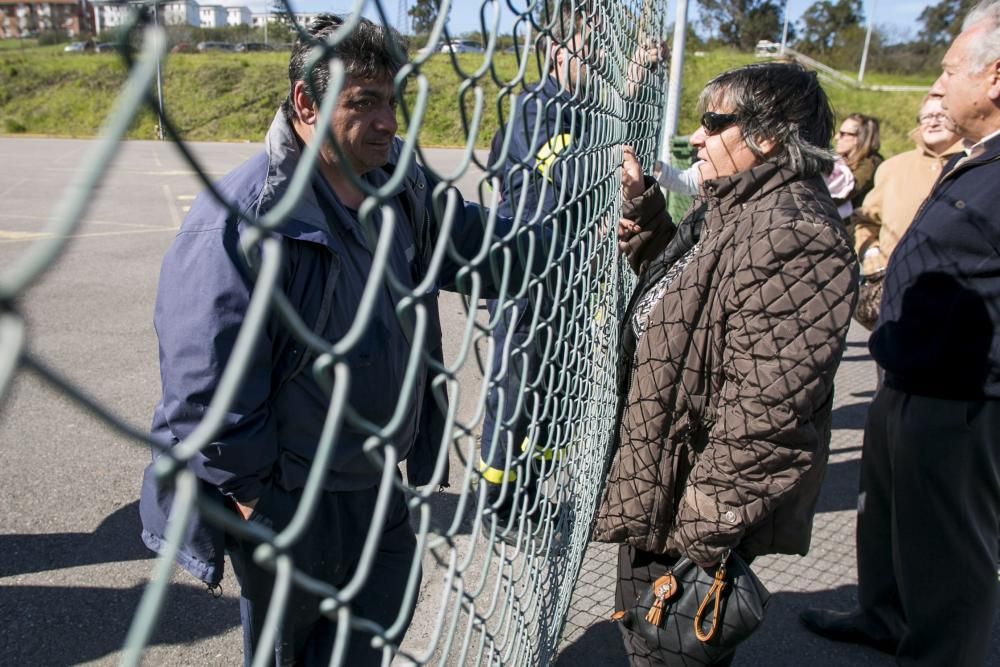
(730,342)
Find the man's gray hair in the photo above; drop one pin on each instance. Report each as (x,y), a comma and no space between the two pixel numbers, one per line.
(986,50)
(779,102)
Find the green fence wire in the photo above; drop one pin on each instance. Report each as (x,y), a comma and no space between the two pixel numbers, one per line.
(484,600)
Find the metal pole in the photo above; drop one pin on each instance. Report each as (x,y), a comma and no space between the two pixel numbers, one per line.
(868,39)
(784,30)
(676,72)
(159,79)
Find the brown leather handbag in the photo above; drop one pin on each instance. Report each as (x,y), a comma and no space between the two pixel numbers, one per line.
(690,616)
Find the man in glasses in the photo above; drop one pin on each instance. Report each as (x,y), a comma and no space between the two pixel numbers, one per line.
(929,501)
(901,184)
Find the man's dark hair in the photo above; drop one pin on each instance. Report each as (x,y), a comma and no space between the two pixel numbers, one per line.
(370,51)
(781,102)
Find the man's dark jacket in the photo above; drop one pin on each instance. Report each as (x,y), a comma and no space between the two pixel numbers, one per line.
(273,426)
(938,333)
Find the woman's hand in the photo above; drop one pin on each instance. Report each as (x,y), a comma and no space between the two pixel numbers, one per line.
(633,182)
(626,230)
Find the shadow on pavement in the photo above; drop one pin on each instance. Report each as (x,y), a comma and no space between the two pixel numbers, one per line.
(840,487)
(780,641)
(851,416)
(50,625)
(600,644)
(115,540)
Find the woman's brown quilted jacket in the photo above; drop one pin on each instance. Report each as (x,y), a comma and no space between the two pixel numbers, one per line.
(725,430)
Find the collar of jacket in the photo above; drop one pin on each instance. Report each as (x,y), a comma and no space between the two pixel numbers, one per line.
(732,191)
(307,222)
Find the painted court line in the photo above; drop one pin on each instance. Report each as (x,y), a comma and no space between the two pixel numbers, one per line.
(23,237)
(136,225)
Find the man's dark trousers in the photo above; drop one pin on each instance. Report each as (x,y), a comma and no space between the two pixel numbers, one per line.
(330,551)
(928,518)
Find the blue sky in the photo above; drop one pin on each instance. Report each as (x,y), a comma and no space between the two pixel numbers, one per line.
(898,16)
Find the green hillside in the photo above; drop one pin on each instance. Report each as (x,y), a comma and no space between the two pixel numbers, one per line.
(232,97)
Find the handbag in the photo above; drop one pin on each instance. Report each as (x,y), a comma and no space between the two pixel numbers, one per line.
(692,617)
(869,299)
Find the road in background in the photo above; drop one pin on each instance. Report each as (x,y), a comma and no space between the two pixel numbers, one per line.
(72,567)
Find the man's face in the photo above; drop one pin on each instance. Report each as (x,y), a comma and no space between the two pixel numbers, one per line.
(968,97)
(571,62)
(364,123)
(935,128)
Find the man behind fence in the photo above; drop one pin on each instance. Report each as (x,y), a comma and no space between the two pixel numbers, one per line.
(537,178)
(929,506)
(259,460)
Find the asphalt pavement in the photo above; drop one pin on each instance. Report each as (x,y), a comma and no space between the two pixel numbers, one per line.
(72,567)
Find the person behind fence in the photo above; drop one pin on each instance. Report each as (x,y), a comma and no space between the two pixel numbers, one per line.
(929,503)
(901,184)
(258,462)
(729,348)
(534,169)
(538,168)
(858,144)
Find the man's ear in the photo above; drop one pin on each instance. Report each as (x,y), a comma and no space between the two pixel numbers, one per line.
(558,55)
(994,78)
(305,110)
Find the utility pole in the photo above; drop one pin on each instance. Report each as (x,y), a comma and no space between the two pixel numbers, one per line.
(401,22)
(784,30)
(676,72)
(868,39)
(159,78)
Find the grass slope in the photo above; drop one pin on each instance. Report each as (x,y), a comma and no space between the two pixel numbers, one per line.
(232,97)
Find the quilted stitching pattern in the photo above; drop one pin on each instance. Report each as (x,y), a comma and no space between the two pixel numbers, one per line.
(731,391)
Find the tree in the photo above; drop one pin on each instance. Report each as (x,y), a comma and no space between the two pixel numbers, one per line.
(423,14)
(827,25)
(942,22)
(742,23)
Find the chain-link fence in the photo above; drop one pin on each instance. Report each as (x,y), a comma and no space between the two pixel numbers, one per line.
(496,563)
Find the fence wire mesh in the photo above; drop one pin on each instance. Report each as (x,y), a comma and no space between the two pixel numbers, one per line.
(490,586)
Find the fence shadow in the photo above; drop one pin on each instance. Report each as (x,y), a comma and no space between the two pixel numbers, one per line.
(115,540)
(54,625)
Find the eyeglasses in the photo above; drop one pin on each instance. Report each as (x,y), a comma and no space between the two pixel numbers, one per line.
(841,133)
(931,118)
(717,122)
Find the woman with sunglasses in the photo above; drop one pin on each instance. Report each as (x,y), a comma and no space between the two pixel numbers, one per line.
(730,341)
(858,144)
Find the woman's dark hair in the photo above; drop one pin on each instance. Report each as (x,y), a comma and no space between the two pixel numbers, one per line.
(779,102)
(370,51)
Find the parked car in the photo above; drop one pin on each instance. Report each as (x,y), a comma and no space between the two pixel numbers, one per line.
(183,47)
(767,49)
(79,47)
(462,46)
(252,46)
(215,46)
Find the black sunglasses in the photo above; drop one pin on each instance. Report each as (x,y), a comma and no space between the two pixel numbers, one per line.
(717,122)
